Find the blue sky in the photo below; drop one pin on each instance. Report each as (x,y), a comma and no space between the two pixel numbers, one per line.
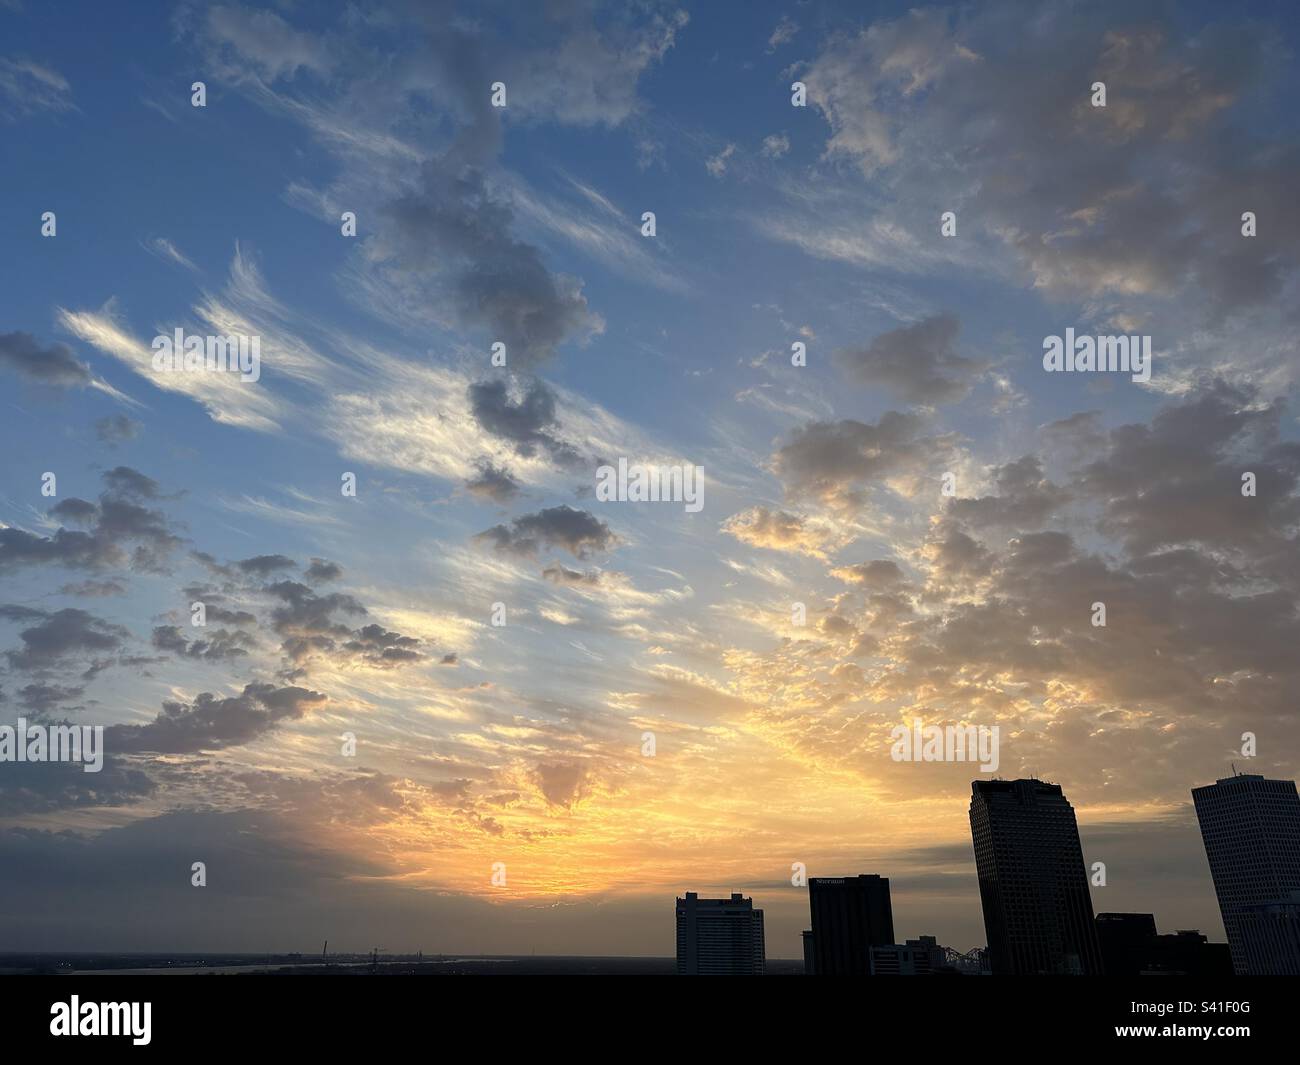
(775,224)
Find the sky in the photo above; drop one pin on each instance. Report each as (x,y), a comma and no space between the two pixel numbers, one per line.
(654,715)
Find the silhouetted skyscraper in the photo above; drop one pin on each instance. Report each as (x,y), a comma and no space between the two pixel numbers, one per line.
(850,915)
(719,937)
(1251,830)
(1270,936)
(1033,884)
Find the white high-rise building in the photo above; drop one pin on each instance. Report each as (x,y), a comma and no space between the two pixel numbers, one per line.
(719,937)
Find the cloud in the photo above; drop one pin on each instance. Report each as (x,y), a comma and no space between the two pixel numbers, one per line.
(563,783)
(50,787)
(116,429)
(575,531)
(93,589)
(840,463)
(167,251)
(116,523)
(1025,498)
(28,88)
(323,570)
(775,145)
(494,482)
(42,698)
(213,723)
(599,229)
(784,33)
(1202,447)
(877,575)
(57,635)
(450,238)
(52,364)
(525,423)
(225,396)
(558,574)
(306,621)
(717,164)
(779,530)
(917,361)
(265,565)
(264,41)
(611,52)
(853,71)
(1066,187)
(212,646)
(379,646)
(123,482)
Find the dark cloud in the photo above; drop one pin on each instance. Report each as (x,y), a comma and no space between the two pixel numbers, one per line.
(75,511)
(123,888)
(323,570)
(306,620)
(882,573)
(307,623)
(523,423)
(213,646)
(48,787)
(126,483)
(58,635)
(1199,592)
(264,565)
(212,722)
(494,482)
(451,235)
(839,463)
(1071,188)
(1201,448)
(42,698)
(563,783)
(117,429)
(380,646)
(575,531)
(558,574)
(1025,498)
(119,530)
(220,614)
(93,589)
(54,364)
(916,361)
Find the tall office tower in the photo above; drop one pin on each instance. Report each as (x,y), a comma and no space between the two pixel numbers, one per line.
(1251,829)
(719,937)
(1033,884)
(809,960)
(850,915)
(1270,936)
